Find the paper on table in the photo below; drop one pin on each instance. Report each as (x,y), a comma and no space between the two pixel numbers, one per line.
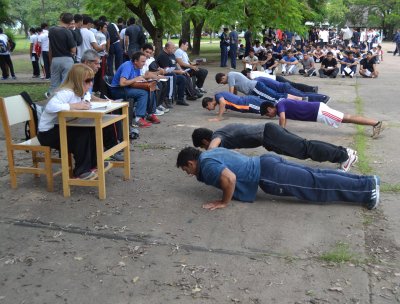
(99,105)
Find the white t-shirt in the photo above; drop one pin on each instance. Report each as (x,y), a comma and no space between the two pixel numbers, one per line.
(101,40)
(43,39)
(179,53)
(87,40)
(4,38)
(324,36)
(33,39)
(59,102)
(147,65)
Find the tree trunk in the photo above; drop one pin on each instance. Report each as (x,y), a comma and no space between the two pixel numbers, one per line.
(198,27)
(186,28)
(157,41)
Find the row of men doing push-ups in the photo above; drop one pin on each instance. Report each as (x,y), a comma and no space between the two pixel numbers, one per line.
(259,100)
(239,176)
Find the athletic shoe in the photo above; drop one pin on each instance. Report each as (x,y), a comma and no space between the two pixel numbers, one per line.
(142,123)
(353,158)
(377,129)
(343,76)
(14,77)
(4,78)
(190,98)
(326,99)
(119,156)
(153,119)
(159,112)
(35,76)
(107,165)
(47,95)
(201,90)
(162,108)
(315,89)
(168,104)
(182,103)
(375,197)
(87,175)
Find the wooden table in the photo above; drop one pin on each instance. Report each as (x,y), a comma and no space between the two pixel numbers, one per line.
(97,118)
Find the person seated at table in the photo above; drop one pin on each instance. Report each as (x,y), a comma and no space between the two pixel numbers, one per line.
(129,73)
(81,141)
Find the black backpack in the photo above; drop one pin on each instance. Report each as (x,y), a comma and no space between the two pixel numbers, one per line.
(114,35)
(37,112)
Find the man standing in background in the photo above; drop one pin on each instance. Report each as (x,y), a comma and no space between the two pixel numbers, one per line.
(233,45)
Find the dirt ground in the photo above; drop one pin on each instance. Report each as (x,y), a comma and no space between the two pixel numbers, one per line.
(151,242)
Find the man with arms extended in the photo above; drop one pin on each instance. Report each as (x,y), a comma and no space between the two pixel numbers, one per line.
(273,138)
(239,177)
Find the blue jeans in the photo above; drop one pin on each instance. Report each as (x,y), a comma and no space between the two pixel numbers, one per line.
(115,54)
(282,178)
(343,66)
(264,92)
(233,54)
(285,87)
(141,97)
(224,55)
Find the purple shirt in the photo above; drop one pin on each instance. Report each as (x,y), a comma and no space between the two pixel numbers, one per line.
(298,110)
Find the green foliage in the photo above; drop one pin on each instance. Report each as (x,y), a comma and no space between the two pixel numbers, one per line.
(339,254)
(336,11)
(4,15)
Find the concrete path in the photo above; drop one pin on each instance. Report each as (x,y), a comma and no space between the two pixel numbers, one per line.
(151,242)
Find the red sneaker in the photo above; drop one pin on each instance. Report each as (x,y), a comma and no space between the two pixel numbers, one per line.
(143,123)
(154,119)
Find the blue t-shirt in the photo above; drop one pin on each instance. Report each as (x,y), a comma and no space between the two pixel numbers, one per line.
(345,59)
(298,110)
(126,70)
(289,59)
(247,170)
(244,104)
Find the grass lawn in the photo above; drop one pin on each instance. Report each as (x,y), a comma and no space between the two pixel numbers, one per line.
(36,91)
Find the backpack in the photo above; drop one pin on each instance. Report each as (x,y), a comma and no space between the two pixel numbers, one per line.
(114,35)
(12,45)
(37,111)
(3,47)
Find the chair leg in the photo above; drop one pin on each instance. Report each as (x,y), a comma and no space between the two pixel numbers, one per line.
(35,162)
(49,170)
(11,166)
(70,165)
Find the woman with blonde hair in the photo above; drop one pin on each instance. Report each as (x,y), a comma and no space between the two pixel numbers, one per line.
(81,141)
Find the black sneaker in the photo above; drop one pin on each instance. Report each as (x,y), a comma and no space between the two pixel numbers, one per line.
(189,98)
(315,89)
(182,103)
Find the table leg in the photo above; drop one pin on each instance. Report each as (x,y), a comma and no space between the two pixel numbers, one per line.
(100,158)
(64,156)
(127,154)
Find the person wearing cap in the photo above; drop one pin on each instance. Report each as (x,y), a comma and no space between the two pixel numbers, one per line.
(315,111)
(368,66)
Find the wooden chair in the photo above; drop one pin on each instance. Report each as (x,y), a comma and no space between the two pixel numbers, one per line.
(15,110)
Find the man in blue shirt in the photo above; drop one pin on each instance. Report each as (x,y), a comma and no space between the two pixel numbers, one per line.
(233,45)
(348,66)
(289,63)
(127,74)
(239,176)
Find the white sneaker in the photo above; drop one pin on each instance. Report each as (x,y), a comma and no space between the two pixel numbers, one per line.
(163,109)
(353,158)
(158,112)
